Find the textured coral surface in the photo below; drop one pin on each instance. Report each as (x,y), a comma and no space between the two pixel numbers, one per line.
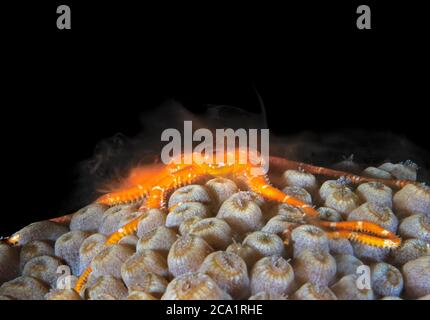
(219,242)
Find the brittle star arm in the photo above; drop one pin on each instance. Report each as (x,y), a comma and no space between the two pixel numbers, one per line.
(361,231)
(284,164)
(155,200)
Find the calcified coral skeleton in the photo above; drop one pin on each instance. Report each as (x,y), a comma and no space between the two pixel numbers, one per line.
(152,184)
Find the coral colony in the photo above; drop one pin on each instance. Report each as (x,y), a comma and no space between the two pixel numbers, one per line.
(220,229)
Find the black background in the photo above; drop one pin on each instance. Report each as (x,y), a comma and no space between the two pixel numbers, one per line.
(64,91)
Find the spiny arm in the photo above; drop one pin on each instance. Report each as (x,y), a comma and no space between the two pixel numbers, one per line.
(155,200)
(130,195)
(389,243)
(352,230)
(139,183)
(260,185)
(284,164)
